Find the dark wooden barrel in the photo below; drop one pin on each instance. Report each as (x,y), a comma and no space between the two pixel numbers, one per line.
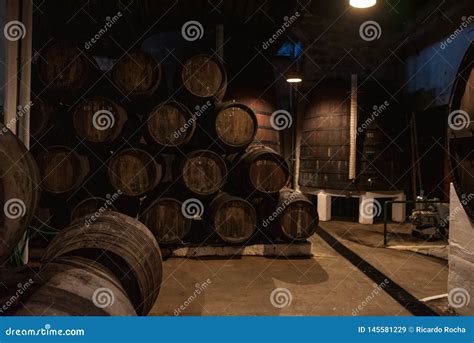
(233,219)
(461,132)
(64,68)
(19,190)
(170,124)
(259,170)
(40,115)
(134,171)
(164,217)
(62,169)
(203,77)
(122,244)
(261,101)
(92,205)
(99,120)
(76,286)
(325,139)
(235,126)
(137,74)
(202,172)
(298,218)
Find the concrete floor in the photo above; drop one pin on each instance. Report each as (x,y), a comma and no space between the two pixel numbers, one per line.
(326,284)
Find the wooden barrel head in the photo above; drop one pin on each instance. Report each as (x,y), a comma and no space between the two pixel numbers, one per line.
(170,124)
(166,221)
(99,120)
(136,74)
(268,174)
(62,170)
(203,172)
(234,220)
(62,67)
(134,172)
(236,125)
(203,76)
(299,220)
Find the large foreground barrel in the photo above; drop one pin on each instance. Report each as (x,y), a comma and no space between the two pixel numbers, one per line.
(234,125)
(134,171)
(76,286)
(259,170)
(164,217)
(19,190)
(64,68)
(234,219)
(62,169)
(461,132)
(99,120)
(170,124)
(122,244)
(202,172)
(137,74)
(203,78)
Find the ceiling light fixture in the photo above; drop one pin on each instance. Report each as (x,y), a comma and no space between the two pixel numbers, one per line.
(362,3)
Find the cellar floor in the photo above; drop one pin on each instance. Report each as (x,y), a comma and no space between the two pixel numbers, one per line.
(326,284)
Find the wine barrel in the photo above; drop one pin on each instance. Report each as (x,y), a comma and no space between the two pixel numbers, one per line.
(170,124)
(62,169)
(40,115)
(19,190)
(64,68)
(461,132)
(233,219)
(99,120)
(122,244)
(164,217)
(325,144)
(259,170)
(202,78)
(134,171)
(92,205)
(202,172)
(262,103)
(235,126)
(137,74)
(298,219)
(76,286)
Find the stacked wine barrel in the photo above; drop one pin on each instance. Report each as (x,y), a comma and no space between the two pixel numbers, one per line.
(192,167)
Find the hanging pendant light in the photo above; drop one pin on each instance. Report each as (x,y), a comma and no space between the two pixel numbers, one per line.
(362,3)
